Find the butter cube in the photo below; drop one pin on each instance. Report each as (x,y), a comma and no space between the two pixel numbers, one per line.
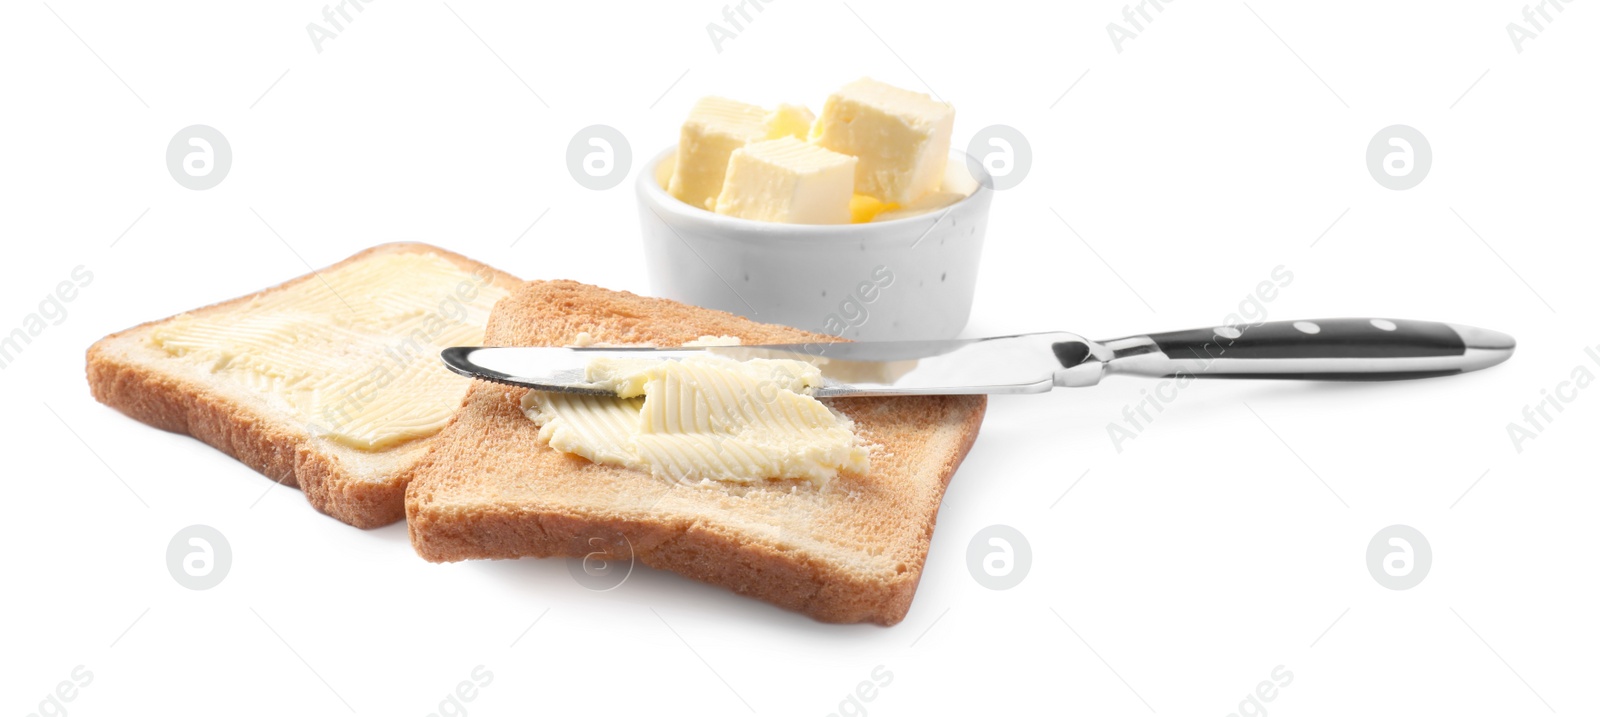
(715,128)
(787,180)
(902,138)
(789,121)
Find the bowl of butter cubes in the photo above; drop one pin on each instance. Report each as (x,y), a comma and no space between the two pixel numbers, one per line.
(858,222)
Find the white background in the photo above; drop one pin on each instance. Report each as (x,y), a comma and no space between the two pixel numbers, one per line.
(1170,577)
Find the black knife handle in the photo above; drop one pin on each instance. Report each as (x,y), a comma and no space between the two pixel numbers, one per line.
(1321,349)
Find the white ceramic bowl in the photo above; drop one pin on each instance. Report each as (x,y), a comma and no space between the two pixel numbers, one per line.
(909,278)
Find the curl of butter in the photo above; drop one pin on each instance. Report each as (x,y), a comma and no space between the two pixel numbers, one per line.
(703,418)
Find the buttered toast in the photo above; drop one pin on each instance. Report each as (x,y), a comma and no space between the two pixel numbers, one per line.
(850,551)
(330,382)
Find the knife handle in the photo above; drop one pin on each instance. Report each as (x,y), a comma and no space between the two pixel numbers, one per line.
(1321,349)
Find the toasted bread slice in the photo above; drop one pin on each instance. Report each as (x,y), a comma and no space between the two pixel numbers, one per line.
(239,414)
(852,551)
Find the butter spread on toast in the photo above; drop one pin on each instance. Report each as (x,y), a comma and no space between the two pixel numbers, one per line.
(704,417)
(353,355)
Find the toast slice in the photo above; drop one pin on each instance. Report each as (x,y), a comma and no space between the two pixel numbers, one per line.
(852,551)
(313,407)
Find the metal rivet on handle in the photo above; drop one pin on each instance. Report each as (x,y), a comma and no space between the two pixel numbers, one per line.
(1384,324)
(1307,327)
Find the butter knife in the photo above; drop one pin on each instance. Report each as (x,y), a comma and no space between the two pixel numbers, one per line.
(1323,350)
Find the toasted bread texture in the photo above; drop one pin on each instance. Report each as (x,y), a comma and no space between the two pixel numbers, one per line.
(852,551)
(365,488)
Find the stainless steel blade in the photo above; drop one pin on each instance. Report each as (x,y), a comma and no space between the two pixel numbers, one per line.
(1005,364)
(1326,349)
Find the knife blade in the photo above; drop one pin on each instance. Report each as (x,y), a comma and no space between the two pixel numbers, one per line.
(1325,349)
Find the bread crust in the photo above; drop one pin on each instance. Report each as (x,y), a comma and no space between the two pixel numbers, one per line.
(490,489)
(338,481)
